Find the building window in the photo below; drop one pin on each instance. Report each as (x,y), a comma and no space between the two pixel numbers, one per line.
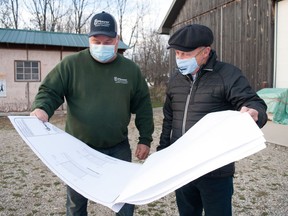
(27,70)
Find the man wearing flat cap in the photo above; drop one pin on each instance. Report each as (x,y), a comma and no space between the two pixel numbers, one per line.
(102,89)
(201,85)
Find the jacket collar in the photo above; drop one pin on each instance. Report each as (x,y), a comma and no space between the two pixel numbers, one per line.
(211,62)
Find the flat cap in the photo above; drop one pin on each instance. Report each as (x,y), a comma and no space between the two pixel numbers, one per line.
(191,37)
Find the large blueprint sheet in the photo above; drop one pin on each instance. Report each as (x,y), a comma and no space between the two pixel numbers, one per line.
(216,140)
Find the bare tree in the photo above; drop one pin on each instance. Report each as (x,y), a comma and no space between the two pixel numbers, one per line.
(4,14)
(137,25)
(15,12)
(9,10)
(121,7)
(148,49)
(58,15)
(80,19)
(57,12)
(39,10)
(130,17)
(66,23)
(153,58)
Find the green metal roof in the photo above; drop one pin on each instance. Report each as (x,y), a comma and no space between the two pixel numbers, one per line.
(16,36)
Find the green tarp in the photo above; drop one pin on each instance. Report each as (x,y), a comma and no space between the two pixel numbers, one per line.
(277,103)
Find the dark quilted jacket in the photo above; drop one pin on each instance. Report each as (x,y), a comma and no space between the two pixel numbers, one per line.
(218,86)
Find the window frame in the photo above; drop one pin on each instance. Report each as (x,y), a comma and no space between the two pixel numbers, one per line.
(27,70)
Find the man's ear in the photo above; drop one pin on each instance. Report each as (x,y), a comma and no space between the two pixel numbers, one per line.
(207,51)
(118,38)
(117,42)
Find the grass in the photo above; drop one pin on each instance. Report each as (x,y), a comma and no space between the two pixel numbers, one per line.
(5,123)
(262,193)
(157,94)
(156,104)
(17,194)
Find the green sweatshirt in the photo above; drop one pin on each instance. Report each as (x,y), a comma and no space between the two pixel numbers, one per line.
(100,99)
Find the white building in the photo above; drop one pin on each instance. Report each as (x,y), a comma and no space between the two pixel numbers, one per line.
(26,58)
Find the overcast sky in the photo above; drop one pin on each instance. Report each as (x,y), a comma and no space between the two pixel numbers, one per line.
(161,8)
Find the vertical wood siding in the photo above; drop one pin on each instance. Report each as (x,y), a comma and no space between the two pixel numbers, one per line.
(243,33)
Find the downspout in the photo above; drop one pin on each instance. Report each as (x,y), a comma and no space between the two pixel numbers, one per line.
(61,58)
(28,84)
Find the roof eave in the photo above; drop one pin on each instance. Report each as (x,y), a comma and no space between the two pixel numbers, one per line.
(44,38)
(171,16)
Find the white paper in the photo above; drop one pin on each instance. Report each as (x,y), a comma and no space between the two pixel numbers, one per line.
(216,140)
(96,176)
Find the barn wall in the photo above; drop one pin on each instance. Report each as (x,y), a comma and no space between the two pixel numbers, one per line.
(243,31)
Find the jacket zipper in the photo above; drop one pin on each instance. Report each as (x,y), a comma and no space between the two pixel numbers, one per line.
(186,107)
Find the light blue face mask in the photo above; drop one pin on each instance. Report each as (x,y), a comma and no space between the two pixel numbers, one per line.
(102,53)
(187,66)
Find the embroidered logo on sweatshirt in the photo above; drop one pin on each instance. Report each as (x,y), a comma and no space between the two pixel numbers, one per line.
(120,80)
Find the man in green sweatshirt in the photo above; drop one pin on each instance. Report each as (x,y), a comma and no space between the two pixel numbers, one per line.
(102,89)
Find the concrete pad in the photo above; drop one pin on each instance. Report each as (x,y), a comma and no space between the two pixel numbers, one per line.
(276,133)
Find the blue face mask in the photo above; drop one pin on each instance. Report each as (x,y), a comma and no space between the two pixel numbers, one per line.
(187,66)
(102,53)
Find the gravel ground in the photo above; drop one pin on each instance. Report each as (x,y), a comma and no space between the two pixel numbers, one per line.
(29,188)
